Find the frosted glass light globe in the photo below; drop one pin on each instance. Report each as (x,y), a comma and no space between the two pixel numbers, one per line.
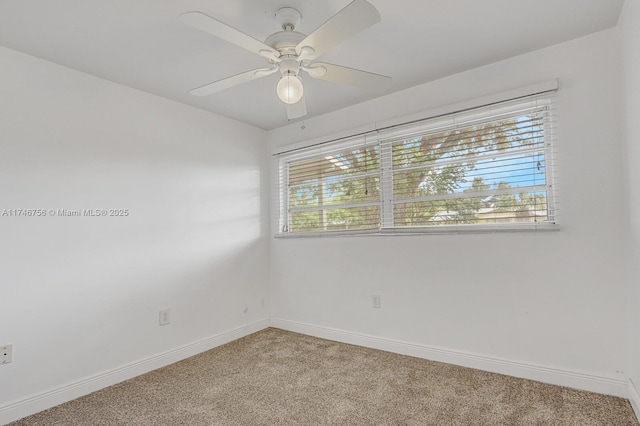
(290,89)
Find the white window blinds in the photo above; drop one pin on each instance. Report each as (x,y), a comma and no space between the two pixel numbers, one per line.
(490,167)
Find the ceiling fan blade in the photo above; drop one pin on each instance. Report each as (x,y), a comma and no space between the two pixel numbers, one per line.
(226,83)
(221,30)
(350,76)
(297,110)
(355,17)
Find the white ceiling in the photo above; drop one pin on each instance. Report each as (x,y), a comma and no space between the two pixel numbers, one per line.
(142,44)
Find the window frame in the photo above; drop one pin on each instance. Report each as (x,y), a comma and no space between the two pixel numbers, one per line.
(386,138)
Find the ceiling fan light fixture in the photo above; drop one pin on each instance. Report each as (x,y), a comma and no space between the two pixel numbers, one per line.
(290,89)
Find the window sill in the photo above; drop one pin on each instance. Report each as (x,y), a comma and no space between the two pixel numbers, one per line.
(431,230)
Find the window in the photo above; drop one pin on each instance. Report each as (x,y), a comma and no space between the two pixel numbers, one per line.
(336,191)
(487,168)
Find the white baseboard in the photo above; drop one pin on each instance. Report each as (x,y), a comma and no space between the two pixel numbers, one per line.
(634,397)
(578,380)
(22,408)
(572,379)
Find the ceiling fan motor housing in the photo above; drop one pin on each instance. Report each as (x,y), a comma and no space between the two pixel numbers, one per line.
(285,42)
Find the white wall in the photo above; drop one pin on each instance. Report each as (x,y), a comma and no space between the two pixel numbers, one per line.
(554,299)
(630,44)
(80,295)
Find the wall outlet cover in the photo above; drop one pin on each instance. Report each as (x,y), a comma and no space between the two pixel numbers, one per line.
(164,317)
(6,354)
(375,300)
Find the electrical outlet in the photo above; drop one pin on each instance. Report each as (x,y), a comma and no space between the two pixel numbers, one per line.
(165,317)
(375,300)
(6,354)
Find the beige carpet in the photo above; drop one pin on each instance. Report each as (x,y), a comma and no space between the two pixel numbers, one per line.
(280,378)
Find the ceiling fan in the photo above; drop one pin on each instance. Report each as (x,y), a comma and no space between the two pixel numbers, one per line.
(290,52)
